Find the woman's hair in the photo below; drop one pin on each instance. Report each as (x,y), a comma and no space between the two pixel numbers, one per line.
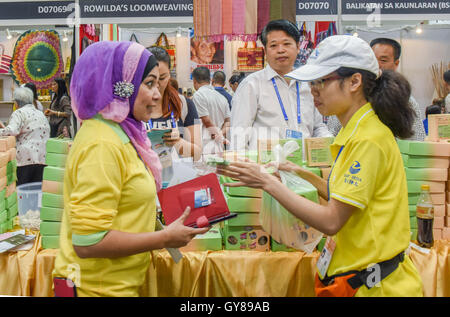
(237,78)
(170,95)
(62,89)
(23,96)
(389,96)
(33,89)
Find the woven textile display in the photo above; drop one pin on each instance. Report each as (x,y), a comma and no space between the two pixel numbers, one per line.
(37,58)
(250,58)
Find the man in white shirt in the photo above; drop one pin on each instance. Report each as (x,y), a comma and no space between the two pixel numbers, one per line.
(212,109)
(387,52)
(267,105)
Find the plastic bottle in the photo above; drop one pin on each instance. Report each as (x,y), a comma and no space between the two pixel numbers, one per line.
(425,217)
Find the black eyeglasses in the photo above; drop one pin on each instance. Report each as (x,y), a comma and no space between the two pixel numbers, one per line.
(320,83)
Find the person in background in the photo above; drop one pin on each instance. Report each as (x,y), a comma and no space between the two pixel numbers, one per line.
(440,103)
(269,105)
(447,98)
(112,176)
(218,82)
(433,109)
(234,82)
(366,218)
(185,125)
(60,110)
(31,129)
(213,110)
(36,101)
(388,53)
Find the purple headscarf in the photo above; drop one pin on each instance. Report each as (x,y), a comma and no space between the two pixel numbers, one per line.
(99,68)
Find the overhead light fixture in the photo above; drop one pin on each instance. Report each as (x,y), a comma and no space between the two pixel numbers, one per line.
(179,32)
(355,34)
(65,38)
(419,28)
(8,34)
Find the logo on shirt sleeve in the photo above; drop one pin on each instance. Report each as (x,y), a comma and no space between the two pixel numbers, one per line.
(355,168)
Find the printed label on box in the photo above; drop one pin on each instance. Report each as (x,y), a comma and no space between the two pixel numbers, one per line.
(202,198)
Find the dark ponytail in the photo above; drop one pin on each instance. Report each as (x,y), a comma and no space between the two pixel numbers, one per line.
(389,96)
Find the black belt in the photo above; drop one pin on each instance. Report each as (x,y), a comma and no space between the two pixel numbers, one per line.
(362,277)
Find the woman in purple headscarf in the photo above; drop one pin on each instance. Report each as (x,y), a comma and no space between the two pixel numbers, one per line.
(112,176)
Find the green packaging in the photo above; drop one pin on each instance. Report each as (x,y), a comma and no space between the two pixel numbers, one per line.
(49,228)
(3,216)
(243,204)
(11,200)
(413,222)
(2,195)
(244,219)
(249,238)
(51,214)
(52,173)
(56,159)
(412,210)
(265,149)
(52,200)
(50,241)
(277,247)
(3,227)
(59,145)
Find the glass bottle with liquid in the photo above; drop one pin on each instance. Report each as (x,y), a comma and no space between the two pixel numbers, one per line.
(425,218)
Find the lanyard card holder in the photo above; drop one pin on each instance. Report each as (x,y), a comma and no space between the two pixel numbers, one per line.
(203,195)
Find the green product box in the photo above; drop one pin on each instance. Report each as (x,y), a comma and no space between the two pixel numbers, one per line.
(12,211)
(55,159)
(11,167)
(3,216)
(2,195)
(52,173)
(247,238)
(51,214)
(243,204)
(11,200)
(244,219)
(412,199)
(420,161)
(212,240)
(276,247)
(413,234)
(3,227)
(52,200)
(412,210)
(403,145)
(415,186)
(59,145)
(2,204)
(405,159)
(50,228)
(50,241)
(426,174)
(10,223)
(239,191)
(413,222)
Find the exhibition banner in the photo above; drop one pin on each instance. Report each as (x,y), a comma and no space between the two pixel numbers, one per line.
(36,10)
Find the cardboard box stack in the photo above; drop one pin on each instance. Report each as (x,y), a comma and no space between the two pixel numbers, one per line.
(212,240)
(427,163)
(8,178)
(52,191)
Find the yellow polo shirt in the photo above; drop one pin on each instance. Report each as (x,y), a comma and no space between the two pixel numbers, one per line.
(106,187)
(369,174)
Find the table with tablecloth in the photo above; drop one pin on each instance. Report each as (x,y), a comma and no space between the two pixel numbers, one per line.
(215,273)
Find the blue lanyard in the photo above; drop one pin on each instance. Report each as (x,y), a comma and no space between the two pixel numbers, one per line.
(299,120)
(172,117)
(329,176)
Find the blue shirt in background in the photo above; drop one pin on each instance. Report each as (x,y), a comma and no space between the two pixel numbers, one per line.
(224,93)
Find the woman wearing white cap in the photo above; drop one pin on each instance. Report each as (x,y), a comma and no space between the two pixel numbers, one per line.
(367,218)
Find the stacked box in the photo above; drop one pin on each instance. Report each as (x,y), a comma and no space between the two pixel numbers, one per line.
(8,178)
(427,163)
(212,241)
(52,191)
(243,232)
(265,150)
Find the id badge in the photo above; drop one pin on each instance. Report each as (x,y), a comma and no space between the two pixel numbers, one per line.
(293,134)
(325,257)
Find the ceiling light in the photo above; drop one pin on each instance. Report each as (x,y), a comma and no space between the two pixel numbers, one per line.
(8,34)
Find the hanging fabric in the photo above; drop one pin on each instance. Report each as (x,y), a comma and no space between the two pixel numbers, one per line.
(263,14)
(276,9)
(238,19)
(288,10)
(215,21)
(227,17)
(5,60)
(251,20)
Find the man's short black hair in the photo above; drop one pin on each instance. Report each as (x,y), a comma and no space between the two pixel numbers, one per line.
(395,45)
(202,75)
(433,109)
(280,25)
(447,77)
(219,77)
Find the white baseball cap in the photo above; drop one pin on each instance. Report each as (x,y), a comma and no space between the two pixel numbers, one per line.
(334,52)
